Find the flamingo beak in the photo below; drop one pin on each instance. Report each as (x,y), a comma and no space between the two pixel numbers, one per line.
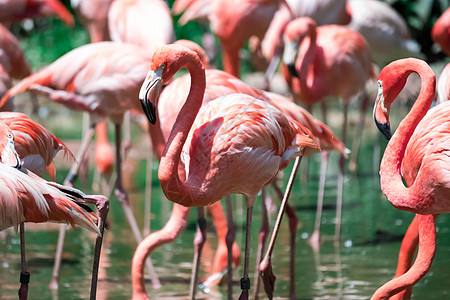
(149,94)
(381,114)
(289,56)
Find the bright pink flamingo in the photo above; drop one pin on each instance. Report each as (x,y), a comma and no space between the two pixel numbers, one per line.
(102,79)
(35,145)
(440,32)
(16,10)
(317,59)
(235,21)
(28,198)
(419,150)
(225,116)
(322,11)
(93,15)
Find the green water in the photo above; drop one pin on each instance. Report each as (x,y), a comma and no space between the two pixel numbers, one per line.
(370,239)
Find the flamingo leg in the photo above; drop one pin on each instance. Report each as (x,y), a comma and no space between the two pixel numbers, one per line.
(245,281)
(261,242)
(199,242)
(70,178)
(293,224)
(24,274)
(122,196)
(266,264)
(357,137)
(340,181)
(148,192)
(422,264)
(229,239)
(406,256)
(102,204)
(314,241)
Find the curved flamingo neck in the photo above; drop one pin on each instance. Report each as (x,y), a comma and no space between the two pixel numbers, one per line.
(310,86)
(176,224)
(414,197)
(176,189)
(425,255)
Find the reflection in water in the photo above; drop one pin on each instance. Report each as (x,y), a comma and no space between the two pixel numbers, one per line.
(365,260)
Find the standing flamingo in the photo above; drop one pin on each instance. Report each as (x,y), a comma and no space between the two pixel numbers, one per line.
(318,58)
(419,150)
(102,79)
(224,117)
(28,198)
(440,33)
(93,14)
(16,10)
(125,19)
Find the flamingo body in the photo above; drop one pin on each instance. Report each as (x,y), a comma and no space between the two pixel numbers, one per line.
(125,21)
(94,16)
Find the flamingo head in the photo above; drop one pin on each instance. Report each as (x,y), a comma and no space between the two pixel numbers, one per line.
(149,93)
(8,152)
(296,31)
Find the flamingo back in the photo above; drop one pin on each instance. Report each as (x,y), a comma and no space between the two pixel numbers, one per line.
(248,137)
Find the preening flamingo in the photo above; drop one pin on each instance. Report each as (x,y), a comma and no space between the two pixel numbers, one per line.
(16,10)
(28,198)
(102,79)
(440,33)
(319,59)
(419,151)
(225,116)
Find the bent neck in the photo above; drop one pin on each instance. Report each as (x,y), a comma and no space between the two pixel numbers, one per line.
(173,228)
(176,189)
(310,86)
(411,198)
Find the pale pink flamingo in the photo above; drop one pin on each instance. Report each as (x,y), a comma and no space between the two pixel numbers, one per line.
(385,30)
(440,33)
(224,116)
(125,19)
(418,151)
(317,59)
(28,198)
(102,79)
(443,85)
(16,10)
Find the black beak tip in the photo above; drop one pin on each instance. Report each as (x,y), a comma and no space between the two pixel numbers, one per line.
(292,70)
(149,110)
(385,129)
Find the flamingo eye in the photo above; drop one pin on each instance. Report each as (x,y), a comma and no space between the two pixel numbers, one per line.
(10,136)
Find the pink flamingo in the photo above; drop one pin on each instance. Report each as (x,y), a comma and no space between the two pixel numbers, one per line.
(99,78)
(125,19)
(224,116)
(93,14)
(385,30)
(28,198)
(12,58)
(315,71)
(440,33)
(419,151)
(16,10)
(443,85)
